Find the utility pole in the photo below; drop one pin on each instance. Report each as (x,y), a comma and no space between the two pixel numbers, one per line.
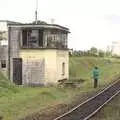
(36,11)
(52,21)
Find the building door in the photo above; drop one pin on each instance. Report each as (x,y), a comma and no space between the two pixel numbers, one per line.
(17,71)
(40,38)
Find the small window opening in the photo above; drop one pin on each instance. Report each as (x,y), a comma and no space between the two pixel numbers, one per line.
(32,38)
(63,68)
(3,63)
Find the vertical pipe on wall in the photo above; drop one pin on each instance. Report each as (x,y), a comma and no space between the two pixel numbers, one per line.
(9,30)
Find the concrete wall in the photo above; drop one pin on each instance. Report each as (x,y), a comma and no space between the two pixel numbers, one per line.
(62,57)
(50,66)
(13,49)
(33,66)
(44,66)
(53,63)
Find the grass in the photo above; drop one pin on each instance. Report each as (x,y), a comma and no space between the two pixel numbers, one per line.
(16,102)
(82,68)
(6,87)
(32,99)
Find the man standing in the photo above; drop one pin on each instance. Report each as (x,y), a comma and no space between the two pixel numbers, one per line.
(96,76)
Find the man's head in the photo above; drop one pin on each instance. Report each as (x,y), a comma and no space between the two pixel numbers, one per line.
(96,67)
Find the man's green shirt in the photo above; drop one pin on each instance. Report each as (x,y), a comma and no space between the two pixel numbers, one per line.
(96,73)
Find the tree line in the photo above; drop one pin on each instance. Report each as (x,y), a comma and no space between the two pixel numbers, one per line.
(91,52)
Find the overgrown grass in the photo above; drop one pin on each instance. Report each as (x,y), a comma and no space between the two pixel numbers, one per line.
(16,102)
(81,67)
(6,87)
(30,100)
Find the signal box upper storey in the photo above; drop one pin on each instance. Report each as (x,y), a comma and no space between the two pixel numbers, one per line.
(36,36)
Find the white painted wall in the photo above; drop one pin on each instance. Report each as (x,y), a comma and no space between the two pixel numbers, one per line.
(62,57)
(52,68)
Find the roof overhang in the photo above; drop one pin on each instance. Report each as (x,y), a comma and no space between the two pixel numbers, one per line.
(40,26)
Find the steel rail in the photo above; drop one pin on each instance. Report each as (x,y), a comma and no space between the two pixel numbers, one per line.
(90,99)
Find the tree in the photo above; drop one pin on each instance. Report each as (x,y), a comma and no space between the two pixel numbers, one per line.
(39,22)
(93,51)
(108,53)
(3,35)
(101,53)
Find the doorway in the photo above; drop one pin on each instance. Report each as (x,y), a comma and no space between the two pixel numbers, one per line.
(17,71)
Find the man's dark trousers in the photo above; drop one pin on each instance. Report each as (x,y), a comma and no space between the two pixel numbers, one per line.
(95,83)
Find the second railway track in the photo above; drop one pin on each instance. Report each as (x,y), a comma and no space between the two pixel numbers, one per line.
(87,109)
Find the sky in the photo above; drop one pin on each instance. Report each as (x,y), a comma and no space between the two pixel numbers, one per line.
(92,23)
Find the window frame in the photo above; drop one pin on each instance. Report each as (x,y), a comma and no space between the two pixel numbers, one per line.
(26,38)
(3,63)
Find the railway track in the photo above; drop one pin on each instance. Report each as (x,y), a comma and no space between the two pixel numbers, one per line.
(87,109)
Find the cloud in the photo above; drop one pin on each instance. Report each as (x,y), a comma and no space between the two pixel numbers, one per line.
(114,19)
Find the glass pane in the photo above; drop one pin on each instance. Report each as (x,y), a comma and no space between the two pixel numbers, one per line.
(33,37)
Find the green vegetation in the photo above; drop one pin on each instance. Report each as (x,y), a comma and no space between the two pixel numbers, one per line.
(81,67)
(17,102)
(6,87)
(29,100)
(39,22)
(93,52)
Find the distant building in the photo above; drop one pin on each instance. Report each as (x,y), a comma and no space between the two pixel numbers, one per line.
(116,48)
(37,54)
(4,45)
(4,28)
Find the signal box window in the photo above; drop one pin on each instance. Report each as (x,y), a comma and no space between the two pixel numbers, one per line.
(3,63)
(32,38)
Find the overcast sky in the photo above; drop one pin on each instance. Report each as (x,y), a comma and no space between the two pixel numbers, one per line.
(91,22)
